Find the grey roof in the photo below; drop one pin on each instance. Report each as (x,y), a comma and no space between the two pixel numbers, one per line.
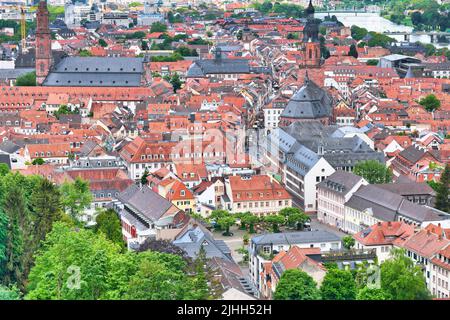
(309,102)
(145,201)
(302,160)
(194,238)
(295,237)
(5,158)
(412,154)
(408,188)
(97,71)
(201,68)
(337,150)
(388,206)
(9,147)
(14,73)
(340,181)
(396,57)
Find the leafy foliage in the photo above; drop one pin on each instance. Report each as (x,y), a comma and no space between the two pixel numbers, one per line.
(108,223)
(338,285)
(348,242)
(442,201)
(371,294)
(76,197)
(80,264)
(26,80)
(401,279)
(373,171)
(430,103)
(295,284)
(158,27)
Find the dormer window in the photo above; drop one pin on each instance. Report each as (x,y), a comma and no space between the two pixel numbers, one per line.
(182,193)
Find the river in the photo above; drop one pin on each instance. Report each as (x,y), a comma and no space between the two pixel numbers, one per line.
(374,22)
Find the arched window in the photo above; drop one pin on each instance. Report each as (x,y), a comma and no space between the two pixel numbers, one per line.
(310,53)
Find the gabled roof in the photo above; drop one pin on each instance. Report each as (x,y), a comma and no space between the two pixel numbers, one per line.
(147,202)
(385,233)
(426,243)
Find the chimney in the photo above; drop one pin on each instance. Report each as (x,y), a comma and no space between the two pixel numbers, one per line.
(389,223)
(428,232)
(379,223)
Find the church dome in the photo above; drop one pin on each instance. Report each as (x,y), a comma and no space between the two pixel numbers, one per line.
(309,102)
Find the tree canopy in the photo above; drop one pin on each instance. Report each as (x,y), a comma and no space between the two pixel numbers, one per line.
(26,80)
(401,279)
(338,285)
(373,171)
(295,284)
(430,103)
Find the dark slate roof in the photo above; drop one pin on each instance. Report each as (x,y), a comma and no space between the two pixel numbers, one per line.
(408,188)
(147,202)
(9,147)
(27,60)
(412,154)
(14,73)
(387,206)
(194,238)
(313,135)
(5,158)
(201,68)
(310,102)
(340,181)
(295,237)
(97,71)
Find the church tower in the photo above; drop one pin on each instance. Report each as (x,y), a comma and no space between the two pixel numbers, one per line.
(311,42)
(43,43)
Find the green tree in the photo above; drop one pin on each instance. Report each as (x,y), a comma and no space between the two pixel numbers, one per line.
(38,161)
(401,279)
(295,217)
(76,197)
(275,220)
(46,209)
(348,242)
(175,81)
(84,53)
(9,293)
(338,285)
(295,284)
(74,264)
(144,177)
(161,276)
(223,219)
(248,220)
(353,51)
(102,43)
(372,294)
(26,80)
(158,27)
(4,169)
(358,33)
(430,103)
(373,171)
(442,201)
(15,210)
(372,62)
(108,223)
